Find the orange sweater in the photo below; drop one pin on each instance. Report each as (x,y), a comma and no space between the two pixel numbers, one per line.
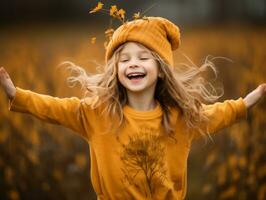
(140,162)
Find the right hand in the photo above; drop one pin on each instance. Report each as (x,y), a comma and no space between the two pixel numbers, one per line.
(7,84)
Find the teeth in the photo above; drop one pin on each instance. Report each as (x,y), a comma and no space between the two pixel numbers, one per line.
(135,74)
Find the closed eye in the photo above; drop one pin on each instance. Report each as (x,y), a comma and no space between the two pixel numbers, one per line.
(123,60)
(140,59)
(144,58)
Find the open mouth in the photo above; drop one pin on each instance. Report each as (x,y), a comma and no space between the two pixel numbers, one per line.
(135,75)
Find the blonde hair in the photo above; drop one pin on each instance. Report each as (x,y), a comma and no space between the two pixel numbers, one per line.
(183,88)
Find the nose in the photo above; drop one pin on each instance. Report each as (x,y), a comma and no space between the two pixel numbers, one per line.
(133,63)
(133,66)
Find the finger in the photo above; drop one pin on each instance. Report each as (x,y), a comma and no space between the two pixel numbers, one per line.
(2,70)
(262,87)
(1,74)
(4,73)
(263,84)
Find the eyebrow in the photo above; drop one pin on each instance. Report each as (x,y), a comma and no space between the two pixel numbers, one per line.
(126,53)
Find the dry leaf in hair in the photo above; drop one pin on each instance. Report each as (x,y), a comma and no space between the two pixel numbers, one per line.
(118,14)
(121,13)
(109,32)
(145,17)
(136,15)
(113,10)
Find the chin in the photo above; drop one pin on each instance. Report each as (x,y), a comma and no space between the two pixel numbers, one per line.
(137,90)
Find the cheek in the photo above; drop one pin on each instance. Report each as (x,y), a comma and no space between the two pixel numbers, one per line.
(153,70)
(120,73)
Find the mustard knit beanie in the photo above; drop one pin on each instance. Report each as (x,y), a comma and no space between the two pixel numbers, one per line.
(156,33)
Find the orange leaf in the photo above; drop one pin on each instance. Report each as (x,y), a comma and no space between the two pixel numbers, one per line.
(136,15)
(121,14)
(113,10)
(97,8)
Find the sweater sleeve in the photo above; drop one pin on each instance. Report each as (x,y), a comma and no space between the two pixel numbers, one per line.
(222,115)
(61,111)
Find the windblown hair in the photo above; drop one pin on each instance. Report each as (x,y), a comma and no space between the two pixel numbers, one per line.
(183,87)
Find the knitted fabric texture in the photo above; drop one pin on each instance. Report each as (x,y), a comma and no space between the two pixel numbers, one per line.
(156,33)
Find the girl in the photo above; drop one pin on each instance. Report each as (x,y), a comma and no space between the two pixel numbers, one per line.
(141,115)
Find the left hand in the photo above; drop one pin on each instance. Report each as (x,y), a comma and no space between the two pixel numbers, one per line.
(253,97)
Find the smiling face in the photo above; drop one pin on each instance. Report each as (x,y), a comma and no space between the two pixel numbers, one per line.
(137,68)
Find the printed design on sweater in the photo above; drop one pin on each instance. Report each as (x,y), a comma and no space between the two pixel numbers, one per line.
(143,162)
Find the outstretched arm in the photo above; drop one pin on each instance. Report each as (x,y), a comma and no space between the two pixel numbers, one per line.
(224,114)
(63,111)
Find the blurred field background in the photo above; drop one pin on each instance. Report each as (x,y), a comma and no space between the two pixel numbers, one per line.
(45,161)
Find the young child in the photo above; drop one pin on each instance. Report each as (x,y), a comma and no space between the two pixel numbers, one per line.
(140,116)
